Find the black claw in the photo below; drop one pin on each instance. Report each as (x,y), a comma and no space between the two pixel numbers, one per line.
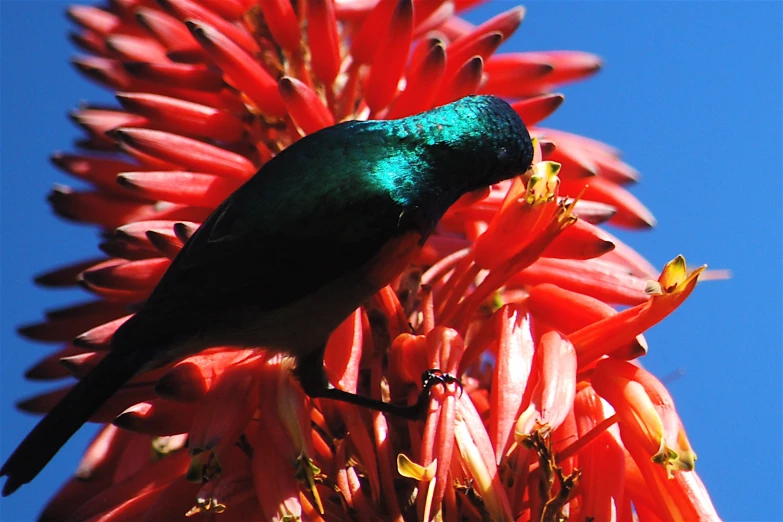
(435,376)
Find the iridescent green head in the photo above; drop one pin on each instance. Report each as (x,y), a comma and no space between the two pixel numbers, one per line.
(481,140)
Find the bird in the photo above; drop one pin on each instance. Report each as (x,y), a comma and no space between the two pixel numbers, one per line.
(318,230)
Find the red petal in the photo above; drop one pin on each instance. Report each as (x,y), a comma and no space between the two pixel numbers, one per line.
(192,377)
(422,86)
(464,83)
(95,473)
(533,110)
(628,257)
(171,34)
(244,71)
(101,172)
(365,43)
(549,303)
(429,15)
(95,19)
(133,275)
(99,337)
(101,209)
(392,56)
(456,27)
(227,407)
(131,251)
(506,23)
(66,323)
(280,17)
(579,241)
(49,368)
(568,65)
(89,41)
(462,5)
(604,281)
(106,413)
(119,77)
(188,188)
(182,117)
(602,462)
(594,212)
(173,501)
(158,417)
(228,9)
(103,70)
(304,106)
(99,121)
(630,211)
(65,276)
(577,164)
(324,39)
(135,48)
(195,76)
(553,396)
(483,47)
(154,476)
(514,361)
(186,152)
(187,10)
(515,75)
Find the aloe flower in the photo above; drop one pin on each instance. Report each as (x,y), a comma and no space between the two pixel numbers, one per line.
(516,293)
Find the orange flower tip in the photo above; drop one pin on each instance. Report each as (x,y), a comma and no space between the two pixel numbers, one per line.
(644,221)
(594,212)
(127,419)
(126,180)
(58,198)
(43,372)
(59,159)
(593,62)
(128,100)
(183,230)
(89,69)
(632,350)
(75,364)
(92,18)
(184,383)
(547,146)
(533,110)
(136,68)
(286,86)
(474,66)
(197,29)
(163,243)
(63,277)
(515,15)
(603,247)
(121,135)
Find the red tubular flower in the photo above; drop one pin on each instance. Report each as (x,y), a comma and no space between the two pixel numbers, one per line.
(514,293)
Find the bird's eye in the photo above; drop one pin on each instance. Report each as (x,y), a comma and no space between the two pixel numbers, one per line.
(503,154)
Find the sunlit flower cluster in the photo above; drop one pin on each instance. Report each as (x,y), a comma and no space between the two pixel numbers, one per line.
(515,293)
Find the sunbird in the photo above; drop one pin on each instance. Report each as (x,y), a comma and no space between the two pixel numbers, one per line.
(318,230)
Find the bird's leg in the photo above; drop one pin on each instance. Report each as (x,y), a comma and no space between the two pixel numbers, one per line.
(311,375)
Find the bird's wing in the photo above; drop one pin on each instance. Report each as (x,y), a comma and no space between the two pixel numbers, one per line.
(297,225)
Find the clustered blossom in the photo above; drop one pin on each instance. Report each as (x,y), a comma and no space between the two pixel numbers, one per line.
(515,292)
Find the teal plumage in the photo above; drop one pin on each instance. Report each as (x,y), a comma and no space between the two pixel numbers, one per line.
(317,231)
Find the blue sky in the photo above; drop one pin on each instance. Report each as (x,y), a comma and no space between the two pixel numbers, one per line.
(690,91)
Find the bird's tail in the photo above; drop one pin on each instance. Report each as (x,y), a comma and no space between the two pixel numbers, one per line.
(54,430)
